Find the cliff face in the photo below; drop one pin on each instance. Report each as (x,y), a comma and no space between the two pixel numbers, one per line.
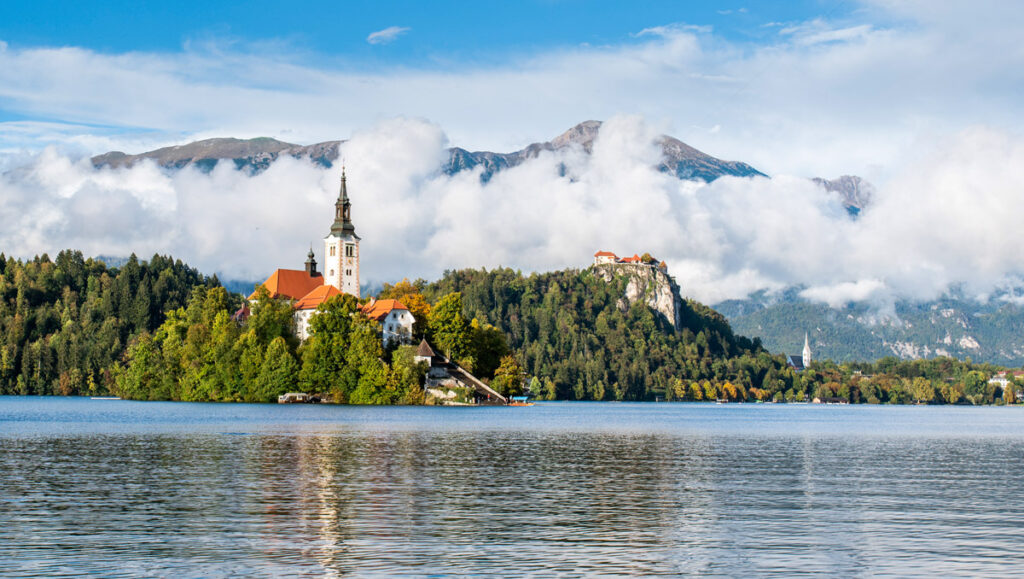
(648,285)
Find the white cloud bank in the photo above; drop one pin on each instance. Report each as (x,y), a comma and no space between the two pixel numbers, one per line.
(951,216)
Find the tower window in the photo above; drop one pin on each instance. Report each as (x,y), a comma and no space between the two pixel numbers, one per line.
(332,250)
(350,251)
(332,273)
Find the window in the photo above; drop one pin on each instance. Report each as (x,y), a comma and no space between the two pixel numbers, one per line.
(350,251)
(332,250)
(348,272)
(332,273)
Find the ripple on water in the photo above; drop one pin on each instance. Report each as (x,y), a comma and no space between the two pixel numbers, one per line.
(572,489)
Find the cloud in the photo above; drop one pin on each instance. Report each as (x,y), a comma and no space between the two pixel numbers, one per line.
(829,97)
(820,32)
(387,35)
(948,218)
(867,94)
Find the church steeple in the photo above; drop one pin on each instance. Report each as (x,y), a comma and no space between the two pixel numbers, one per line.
(343,211)
(807,351)
(311,263)
(341,246)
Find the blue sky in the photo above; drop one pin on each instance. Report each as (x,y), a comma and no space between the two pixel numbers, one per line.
(438,32)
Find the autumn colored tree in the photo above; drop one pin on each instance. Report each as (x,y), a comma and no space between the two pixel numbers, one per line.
(508,378)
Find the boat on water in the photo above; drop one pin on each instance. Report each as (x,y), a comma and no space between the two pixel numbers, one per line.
(520,401)
(298,398)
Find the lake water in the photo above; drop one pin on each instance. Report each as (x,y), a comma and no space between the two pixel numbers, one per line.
(118,488)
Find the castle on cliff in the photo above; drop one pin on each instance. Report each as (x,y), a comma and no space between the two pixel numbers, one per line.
(609,258)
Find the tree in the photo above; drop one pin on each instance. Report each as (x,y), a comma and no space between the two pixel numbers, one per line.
(508,378)
(277,373)
(489,346)
(1009,396)
(325,368)
(922,389)
(448,327)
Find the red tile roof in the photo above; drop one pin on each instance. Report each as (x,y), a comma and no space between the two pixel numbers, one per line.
(605,254)
(316,297)
(290,284)
(379,309)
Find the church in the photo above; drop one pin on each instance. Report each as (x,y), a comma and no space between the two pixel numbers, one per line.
(801,363)
(308,288)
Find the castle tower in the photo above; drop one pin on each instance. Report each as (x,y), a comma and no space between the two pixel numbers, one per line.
(341,247)
(807,352)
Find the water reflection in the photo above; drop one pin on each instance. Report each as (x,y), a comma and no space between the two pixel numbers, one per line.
(508,502)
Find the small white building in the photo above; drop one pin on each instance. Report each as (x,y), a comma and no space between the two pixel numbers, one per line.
(395,320)
(605,257)
(306,307)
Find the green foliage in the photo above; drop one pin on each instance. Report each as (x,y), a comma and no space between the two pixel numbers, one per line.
(489,346)
(200,354)
(159,330)
(63,323)
(569,329)
(449,329)
(508,378)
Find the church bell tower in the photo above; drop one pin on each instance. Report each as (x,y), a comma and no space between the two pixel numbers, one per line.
(341,246)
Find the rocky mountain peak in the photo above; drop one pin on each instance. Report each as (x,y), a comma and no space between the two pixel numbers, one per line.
(855,192)
(582,134)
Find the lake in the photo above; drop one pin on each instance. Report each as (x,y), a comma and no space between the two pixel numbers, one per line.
(119,488)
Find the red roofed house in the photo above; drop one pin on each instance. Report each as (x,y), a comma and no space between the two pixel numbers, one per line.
(306,306)
(605,257)
(395,319)
(292,284)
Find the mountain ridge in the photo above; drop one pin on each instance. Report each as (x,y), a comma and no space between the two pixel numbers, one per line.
(257,154)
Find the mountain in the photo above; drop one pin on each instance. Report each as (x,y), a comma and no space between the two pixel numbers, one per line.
(252,154)
(954,325)
(854,192)
(256,155)
(679,158)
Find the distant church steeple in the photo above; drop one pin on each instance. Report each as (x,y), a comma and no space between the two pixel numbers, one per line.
(341,246)
(807,352)
(343,211)
(311,263)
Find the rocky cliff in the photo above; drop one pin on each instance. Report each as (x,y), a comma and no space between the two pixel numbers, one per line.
(648,285)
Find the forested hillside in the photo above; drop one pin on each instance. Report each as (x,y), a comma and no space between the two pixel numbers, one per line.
(64,322)
(954,325)
(160,330)
(576,332)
